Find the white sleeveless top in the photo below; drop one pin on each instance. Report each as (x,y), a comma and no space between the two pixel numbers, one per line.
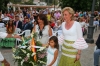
(50,56)
(45,37)
(73,33)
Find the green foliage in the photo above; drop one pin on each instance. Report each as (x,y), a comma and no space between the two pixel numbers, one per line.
(30,2)
(15,1)
(3,5)
(77,5)
(51,2)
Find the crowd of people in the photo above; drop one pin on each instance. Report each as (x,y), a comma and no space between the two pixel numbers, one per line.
(27,19)
(72,24)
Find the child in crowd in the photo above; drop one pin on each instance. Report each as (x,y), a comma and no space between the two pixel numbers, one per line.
(52,51)
(52,23)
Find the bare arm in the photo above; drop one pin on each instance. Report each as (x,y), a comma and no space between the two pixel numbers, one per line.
(33,30)
(55,58)
(50,31)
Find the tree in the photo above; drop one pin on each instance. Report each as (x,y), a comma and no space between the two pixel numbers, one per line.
(30,2)
(3,5)
(77,5)
(51,2)
(15,1)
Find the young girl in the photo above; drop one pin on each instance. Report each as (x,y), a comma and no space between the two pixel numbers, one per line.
(10,27)
(52,51)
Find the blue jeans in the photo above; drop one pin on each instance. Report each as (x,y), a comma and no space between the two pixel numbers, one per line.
(96,57)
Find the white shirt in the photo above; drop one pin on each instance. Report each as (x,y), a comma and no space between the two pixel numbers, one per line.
(2,35)
(74,33)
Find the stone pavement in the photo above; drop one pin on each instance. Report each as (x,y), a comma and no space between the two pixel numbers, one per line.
(86,55)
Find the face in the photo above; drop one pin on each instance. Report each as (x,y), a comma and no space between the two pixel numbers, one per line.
(66,16)
(11,21)
(17,18)
(52,43)
(40,21)
(26,20)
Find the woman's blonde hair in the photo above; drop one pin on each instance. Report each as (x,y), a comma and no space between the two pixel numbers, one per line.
(70,10)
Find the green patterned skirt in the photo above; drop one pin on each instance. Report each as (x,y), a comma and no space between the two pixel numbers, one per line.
(68,55)
(7,42)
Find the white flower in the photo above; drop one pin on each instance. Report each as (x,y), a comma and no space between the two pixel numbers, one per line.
(22,62)
(29,48)
(23,51)
(42,48)
(14,49)
(42,62)
(33,54)
(17,57)
(32,63)
(19,46)
(13,55)
(32,34)
(28,55)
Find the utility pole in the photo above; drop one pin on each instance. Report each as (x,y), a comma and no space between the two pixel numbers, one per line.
(89,38)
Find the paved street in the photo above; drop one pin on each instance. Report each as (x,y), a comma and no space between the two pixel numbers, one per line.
(86,56)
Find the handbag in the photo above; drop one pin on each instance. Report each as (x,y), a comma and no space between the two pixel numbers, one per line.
(98,42)
(80,44)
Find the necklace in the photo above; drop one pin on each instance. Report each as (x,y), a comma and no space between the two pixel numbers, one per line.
(40,31)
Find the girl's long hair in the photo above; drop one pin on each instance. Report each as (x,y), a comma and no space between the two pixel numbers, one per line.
(10,26)
(55,39)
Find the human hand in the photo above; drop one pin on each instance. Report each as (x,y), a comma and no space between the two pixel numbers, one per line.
(77,57)
(17,36)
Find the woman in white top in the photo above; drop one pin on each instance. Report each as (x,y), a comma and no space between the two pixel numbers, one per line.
(43,29)
(72,31)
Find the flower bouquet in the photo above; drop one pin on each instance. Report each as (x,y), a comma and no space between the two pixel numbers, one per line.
(30,54)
